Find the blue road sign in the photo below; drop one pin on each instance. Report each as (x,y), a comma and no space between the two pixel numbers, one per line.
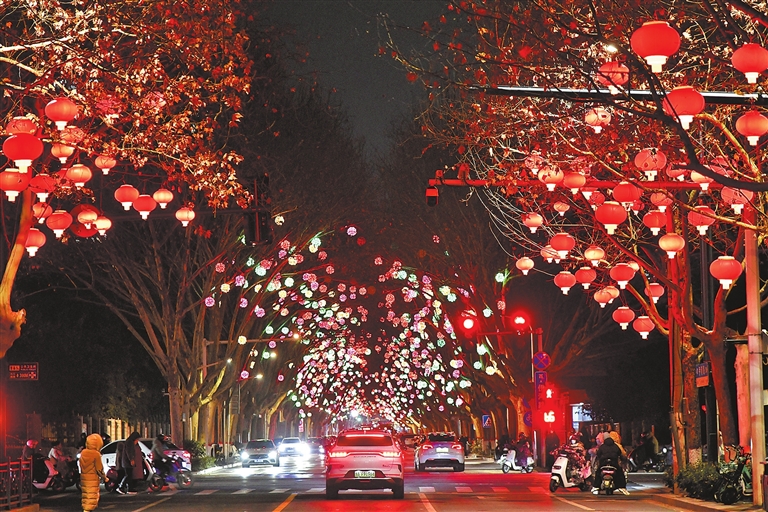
(528,419)
(486,421)
(541,360)
(539,383)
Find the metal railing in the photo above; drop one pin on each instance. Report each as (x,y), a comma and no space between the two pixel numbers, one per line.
(15,484)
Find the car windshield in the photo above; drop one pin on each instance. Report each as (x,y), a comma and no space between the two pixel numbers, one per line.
(364,440)
(168,445)
(442,437)
(291,441)
(255,445)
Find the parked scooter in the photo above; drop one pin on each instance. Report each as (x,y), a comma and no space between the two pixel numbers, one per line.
(178,475)
(44,474)
(509,462)
(735,479)
(571,469)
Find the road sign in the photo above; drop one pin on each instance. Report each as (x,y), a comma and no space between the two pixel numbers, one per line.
(301,425)
(702,374)
(528,419)
(541,360)
(22,371)
(539,383)
(486,421)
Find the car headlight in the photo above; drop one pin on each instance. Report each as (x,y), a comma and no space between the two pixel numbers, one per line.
(281,447)
(243,455)
(272,454)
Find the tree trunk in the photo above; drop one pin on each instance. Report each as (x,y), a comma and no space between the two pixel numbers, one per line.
(691,412)
(175,399)
(742,394)
(722,392)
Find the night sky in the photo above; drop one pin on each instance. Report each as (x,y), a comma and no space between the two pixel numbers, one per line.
(344,46)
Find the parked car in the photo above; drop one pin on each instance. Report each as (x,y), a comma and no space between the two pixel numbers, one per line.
(108,453)
(364,459)
(293,446)
(439,449)
(260,451)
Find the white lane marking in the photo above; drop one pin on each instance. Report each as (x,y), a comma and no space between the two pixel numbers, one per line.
(426,489)
(499,489)
(463,489)
(151,505)
(316,489)
(206,492)
(242,491)
(582,507)
(426,503)
(278,491)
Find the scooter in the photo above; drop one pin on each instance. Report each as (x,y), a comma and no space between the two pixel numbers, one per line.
(72,477)
(571,469)
(608,485)
(178,475)
(112,476)
(509,462)
(44,474)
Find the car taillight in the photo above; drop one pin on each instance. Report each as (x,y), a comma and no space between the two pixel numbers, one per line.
(336,454)
(457,446)
(391,454)
(426,447)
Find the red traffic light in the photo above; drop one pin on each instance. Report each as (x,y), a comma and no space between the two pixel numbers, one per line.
(520,321)
(469,324)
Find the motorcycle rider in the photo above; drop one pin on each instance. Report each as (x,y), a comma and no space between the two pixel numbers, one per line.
(522,450)
(609,454)
(159,460)
(60,459)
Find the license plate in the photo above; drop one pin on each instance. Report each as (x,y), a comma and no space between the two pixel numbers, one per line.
(365,474)
(442,450)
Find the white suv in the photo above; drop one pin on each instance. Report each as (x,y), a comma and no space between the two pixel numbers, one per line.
(439,449)
(364,459)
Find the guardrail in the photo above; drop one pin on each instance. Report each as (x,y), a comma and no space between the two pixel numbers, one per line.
(15,484)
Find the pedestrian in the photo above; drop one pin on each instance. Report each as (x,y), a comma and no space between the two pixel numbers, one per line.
(91,472)
(119,466)
(132,464)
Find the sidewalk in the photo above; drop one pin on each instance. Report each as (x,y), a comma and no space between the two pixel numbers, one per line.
(701,505)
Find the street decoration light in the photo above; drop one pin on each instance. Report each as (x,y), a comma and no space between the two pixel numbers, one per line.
(726,269)
(751,59)
(752,125)
(585,276)
(623,316)
(524,265)
(61,111)
(565,281)
(643,325)
(610,214)
(655,41)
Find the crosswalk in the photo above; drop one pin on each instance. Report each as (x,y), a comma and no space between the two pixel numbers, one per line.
(461,489)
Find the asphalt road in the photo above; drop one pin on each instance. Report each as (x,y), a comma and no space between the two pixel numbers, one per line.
(299,485)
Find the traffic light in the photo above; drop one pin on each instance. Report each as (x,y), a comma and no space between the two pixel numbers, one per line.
(520,322)
(550,409)
(257,228)
(468,323)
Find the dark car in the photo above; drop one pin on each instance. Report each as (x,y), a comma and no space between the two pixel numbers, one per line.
(316,445)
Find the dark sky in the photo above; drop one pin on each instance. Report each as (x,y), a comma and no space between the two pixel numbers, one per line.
(344,43)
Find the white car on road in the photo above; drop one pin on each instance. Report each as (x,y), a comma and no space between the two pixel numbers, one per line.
(439,450)
(108,453)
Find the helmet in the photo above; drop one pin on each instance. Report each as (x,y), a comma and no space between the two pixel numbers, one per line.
(31,443)
(163,438)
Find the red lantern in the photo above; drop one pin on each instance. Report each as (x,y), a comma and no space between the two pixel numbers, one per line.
(650,161)
(655,220)
(613,292)
(22,148)
(80,230)
(627,193)
(79,174)
(42,185)
(524,264)
(643,325)
(533,221)
(597,118)
(534,162)
(13,182)
(550,177)
(105,163)
(35,240)
(561,207)
(610,214)
(585,276)
(21,125)
(144,204)
(622,274)
(613,74)
(752,125)
(596,198)
(62,151)
(623,316)
(41,211)
(102,224)
(86,217)
(701,179)
(565,281)
(751,59)
(726,269)
(672,243)
(562,243)
(59,221)
(683,103)
(736,198)
(655,42)
(549,254)
(61,111)
(163,197)
(574,181)
(185,215)
(661,200)
(654,291)
(700,218)
(126,195)
(676,173)
(602,297)
(594,254)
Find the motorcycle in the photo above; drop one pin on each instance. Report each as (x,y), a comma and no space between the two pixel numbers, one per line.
(607,484)
(175,474)
(44,474)
(735,479)
(509,462)
(571,469)
(659,462)
(113,479)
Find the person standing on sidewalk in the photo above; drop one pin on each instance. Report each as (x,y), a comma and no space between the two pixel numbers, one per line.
(91,472)
(132,464)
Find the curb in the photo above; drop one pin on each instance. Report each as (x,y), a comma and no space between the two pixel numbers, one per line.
(701,506)
(208,471)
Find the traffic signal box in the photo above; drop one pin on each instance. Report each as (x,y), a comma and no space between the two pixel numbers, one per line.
(550,413)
